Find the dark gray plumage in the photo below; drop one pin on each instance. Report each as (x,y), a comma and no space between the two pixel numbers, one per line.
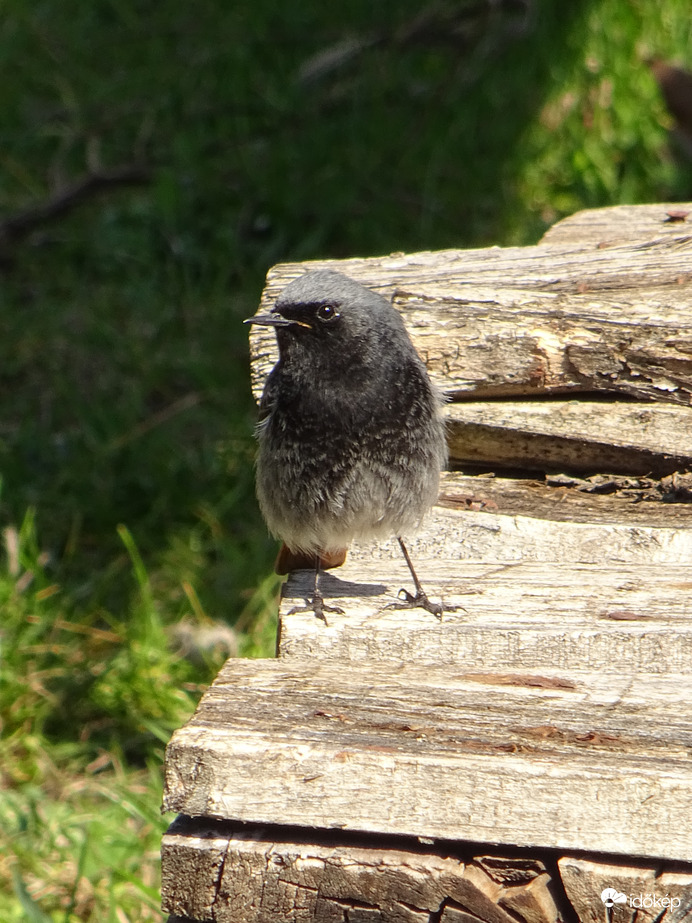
(352,441)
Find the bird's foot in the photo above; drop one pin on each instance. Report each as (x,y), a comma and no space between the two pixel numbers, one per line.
(318,606)
(420,601)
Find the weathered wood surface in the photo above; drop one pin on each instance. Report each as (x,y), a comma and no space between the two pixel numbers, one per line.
(578,436)
(226,873)
(633,501)
(218,872)
(615,620)
(540,577)
(559,759)
(620,224)
(651,894)
(528,321)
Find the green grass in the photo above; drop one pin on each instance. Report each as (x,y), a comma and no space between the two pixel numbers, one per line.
(134,556)
(89,699)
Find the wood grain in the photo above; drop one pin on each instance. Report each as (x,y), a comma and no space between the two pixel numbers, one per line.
(576,436)
(540,576)
(525,321)
(559,759)
(620,224)
(651,893)
(632,501)
(222,873)
(520,617)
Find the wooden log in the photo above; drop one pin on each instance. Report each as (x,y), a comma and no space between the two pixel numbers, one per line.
(517,618)
(577,436)
(557,760)
(649,892)
(528,321)
(540,577)
(454,535)
(620,224)
(601,499)
(229,875)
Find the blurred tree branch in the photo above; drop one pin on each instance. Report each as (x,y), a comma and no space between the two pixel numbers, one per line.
(17,226)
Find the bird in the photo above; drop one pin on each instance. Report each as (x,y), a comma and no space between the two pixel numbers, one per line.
(351,436)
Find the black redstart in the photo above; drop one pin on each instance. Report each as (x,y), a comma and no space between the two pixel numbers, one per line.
(351,439)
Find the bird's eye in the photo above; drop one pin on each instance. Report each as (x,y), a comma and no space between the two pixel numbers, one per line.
(327,312)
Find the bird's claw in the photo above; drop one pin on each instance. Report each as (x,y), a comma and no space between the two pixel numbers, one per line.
(318,607)
(420,600)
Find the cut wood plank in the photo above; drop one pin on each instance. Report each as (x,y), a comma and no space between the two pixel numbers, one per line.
(650,893)
(533,320)
(591,762)
(449,539)
(218,872)
(578,436)
(540,576)
(620,620)
(620,224)
(601,500)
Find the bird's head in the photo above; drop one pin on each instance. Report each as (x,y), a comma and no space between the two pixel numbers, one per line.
(328,317)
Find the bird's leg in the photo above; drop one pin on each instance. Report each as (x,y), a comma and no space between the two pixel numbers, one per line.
(420,600)
(317,598)
(317,604)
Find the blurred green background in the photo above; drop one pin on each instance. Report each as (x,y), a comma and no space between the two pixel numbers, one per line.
(226,138)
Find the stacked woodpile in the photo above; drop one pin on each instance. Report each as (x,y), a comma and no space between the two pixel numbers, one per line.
(528,757)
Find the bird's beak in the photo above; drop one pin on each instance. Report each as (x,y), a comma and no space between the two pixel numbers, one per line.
(268,320)
(274,320)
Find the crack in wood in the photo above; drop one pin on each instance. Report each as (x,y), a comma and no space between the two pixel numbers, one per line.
(220,877)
